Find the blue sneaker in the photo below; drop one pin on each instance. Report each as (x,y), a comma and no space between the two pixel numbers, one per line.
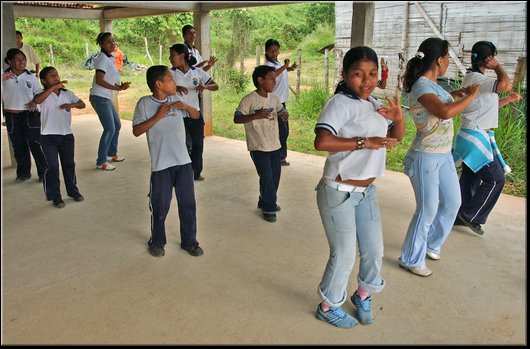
(336,317)
(364,313)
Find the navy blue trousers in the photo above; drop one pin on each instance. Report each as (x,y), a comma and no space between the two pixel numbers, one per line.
(180,179)
(480,191)
(24,131)
(269,170)
(195,143)
(283,127)
(57,147)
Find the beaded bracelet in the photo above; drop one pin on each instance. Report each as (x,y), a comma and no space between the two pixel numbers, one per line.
(360,143)
(384,74)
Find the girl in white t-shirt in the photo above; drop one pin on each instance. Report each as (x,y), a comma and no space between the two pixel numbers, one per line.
(57,140)
(429,163)
(481,182)
(272,50)
(355,128)
(191,82)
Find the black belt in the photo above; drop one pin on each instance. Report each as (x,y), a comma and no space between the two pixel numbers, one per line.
(17,113)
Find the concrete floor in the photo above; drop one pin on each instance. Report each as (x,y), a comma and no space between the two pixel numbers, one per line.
(82,274)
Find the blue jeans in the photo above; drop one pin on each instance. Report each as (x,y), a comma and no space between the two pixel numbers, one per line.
(350,219)
(110,120)
(435,183)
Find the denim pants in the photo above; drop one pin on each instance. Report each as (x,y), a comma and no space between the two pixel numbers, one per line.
(480,191)
(24,131)
(110,120)
(57,147)
(350,220)
(435,183)
(180,179)
(269,170)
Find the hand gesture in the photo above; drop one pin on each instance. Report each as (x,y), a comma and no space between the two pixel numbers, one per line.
(212,61)
(384,66)
(392,111)
(262,113)
(200,88)
(513,97)
(491,62)
(472,90)
(178,105)
(123,85)
(7,75)
(32,106)
(379,142)
(164,110)
(286,63)
(65,106)
(284,115)
(182,90)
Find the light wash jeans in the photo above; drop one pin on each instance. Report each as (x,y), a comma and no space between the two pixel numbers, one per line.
(437,191)
(110,120)
(350,219)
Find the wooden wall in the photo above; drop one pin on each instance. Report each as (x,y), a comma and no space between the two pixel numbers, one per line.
(461,23)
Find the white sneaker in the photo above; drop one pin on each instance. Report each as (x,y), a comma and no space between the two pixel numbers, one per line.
(115,158)
(432,255)
(105,166)
(420,271)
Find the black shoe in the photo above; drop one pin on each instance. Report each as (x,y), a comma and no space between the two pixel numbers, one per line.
(41,179)
(79,198)
(476,228)
(157,251)
(59,203)
(285,163)
(458,221)
(195,251)
(269,217)
(200,178)
(278,208)
(23,178)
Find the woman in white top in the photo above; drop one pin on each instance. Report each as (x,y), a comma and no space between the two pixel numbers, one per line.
(191,82)
(481,183)
(355,128)
(106,80)
(272,50)
(428,162)
(21,114)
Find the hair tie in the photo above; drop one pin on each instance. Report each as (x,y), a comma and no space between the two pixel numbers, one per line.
(420,55)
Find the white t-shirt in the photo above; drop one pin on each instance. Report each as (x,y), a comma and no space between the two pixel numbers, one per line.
(195,53)
(54,120)
(347,117)
(105,63)
(167,138)
(193,78)
(31,57)
(17,91)
(261,134)
(483,112)
(282,82)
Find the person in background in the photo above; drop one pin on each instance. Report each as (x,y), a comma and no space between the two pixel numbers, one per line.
(384,74)
(191,82)
(483,173)
(21,114)
(106,80)
(33,61)
(57,139)
(356,129)
(429,163)
(118,55)
(189,34)
(161,117)
(259,111)
(272,50)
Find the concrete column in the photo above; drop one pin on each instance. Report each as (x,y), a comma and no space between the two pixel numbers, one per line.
(201,22)
(105,25)
(362,25)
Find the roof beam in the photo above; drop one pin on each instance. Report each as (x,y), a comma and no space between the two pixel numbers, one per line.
(55,12)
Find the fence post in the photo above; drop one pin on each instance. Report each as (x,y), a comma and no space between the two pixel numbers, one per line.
(147,51)
(160,55)
(212,68)
(257,55)
(520,70)
(298,73)
(326,69)
(51,56)
(86,50)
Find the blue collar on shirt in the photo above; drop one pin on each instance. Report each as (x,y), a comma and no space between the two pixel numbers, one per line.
(105,52)
(344,90)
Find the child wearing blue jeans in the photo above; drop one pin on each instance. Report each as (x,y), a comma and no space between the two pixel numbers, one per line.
(57,139)
(161,117)
(259,112)
(355,128)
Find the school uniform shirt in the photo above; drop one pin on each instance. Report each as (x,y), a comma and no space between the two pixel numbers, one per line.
(433,135)
(193,78)
(105,63)
(483,112)
(282,81)
(261,134)
(17,91)
(31,57)
(349,116)
(194,52)
(167,137)
(54,120)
